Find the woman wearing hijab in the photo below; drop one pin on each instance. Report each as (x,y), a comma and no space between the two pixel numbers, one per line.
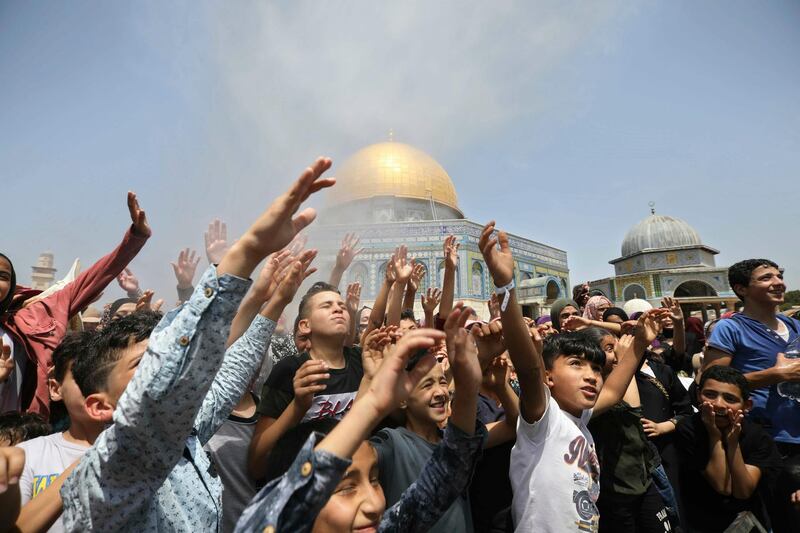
(596,306)
(33,331)
(562,310)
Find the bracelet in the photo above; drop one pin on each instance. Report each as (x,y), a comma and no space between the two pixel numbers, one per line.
(506,292)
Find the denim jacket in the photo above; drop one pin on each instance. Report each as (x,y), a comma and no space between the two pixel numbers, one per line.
(292,502)
(148,470)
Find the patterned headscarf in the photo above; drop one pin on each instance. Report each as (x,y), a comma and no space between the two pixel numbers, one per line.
(591,312)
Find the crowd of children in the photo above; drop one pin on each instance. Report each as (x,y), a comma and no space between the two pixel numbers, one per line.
(219,415)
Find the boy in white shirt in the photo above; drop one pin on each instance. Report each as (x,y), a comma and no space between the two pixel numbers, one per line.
(49,456)
(554,468)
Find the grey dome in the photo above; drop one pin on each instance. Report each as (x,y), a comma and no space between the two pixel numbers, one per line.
(659,232)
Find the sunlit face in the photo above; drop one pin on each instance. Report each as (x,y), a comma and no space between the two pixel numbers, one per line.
(567,312)
(69,392)
(766,287)
(407,324)
(602,307)
(358,502)
(5,278)
(327,316)
(608,343)
(124,310)
(124,369)
(575,383)
(428,400)
(722,396)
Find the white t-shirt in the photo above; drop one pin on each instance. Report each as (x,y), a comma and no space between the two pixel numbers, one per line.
(45,459)
(555,474)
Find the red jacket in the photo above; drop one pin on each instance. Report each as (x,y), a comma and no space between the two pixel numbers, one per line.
(40,327)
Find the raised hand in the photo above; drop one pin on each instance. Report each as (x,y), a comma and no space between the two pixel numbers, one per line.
(451,247)
(499,374)
(416,275)
(145,302)
(734,429)
(649,325)
(290,282)
(128,282)
(462,350)
(675,311)
(707,415)
(216,241)
(6,362)
(353,298)
(574,323)
(185,268)
(138,217)
(499,261)
(308,380)
(374,345)
(348,251)
(391,273)
(393,383)
(402,267)
(431,299)
(281,222)
(489,339)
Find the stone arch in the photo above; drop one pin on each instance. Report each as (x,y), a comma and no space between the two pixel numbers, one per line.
(552,291)
(694,288)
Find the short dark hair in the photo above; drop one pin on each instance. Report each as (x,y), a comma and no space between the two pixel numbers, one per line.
(725,374)
(73,345)
(16,427)
(315,289)
(741,272)
(408,314)
(91,371)
(615,311)
(572,344)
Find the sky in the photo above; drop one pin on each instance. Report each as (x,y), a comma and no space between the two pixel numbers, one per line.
(560,119)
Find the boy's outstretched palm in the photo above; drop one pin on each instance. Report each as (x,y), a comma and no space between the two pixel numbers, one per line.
(500,261)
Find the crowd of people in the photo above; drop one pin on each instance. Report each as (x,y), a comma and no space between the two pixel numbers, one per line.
(221,415)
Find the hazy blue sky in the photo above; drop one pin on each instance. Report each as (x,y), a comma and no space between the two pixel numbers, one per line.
(560,119)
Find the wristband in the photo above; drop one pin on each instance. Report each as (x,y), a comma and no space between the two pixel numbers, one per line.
(506,292)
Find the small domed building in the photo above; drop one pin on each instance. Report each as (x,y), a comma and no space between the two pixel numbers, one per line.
(390,194)
(664,256)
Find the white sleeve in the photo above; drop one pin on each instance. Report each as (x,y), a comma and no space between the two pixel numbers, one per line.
(536,432)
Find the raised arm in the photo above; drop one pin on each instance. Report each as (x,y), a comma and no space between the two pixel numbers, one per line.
(138,451)
(429,302)
(293,506)
(378,311)
(91,282)
(449,281)
(12,462)
(630,350)
(403,270)
(413,284)
(744,477)
(184,270)
(344,258)
(527,359)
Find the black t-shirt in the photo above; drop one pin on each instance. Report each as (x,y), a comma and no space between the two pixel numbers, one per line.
(333,402)
(704,509)
(490,490)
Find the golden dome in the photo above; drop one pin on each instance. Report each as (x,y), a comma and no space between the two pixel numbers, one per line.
(392,169)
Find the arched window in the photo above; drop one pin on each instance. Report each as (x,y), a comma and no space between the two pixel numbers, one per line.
(440,278)
(423,283)
(478,286)
(634,290)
